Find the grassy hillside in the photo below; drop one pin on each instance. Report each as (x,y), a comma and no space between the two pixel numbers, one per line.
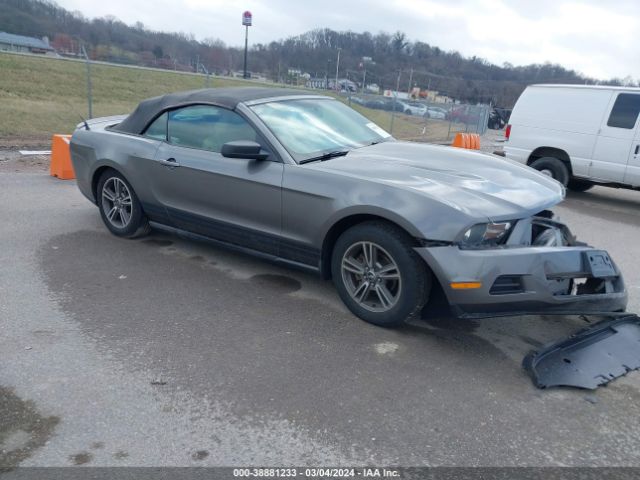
(40,96)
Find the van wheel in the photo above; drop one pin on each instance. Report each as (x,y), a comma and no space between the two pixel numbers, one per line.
(552,167)
(580,185)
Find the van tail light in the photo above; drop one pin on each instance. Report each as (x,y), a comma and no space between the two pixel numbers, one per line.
(507,131)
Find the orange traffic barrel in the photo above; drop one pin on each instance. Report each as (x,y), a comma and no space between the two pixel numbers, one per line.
(459,141)
(466,140)
(61,158)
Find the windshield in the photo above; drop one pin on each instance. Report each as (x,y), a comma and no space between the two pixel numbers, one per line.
(310,128)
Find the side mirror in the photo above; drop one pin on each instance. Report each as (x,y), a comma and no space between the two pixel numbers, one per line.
(243,149)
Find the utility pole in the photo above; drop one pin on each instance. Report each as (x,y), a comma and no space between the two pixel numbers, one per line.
(337,67)
(364,76)
(393,109)
(326,75)
(246,21)
(410,80)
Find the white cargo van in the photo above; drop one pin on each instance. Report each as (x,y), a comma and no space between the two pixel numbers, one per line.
(580,135)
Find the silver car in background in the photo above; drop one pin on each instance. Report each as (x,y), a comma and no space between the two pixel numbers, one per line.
(304,180)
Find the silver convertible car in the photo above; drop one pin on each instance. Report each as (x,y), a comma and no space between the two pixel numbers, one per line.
(303,179)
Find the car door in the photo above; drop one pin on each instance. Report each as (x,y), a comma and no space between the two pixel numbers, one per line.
(237,201)
(612,150)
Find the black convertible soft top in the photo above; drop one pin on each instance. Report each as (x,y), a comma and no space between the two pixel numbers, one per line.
(229,97)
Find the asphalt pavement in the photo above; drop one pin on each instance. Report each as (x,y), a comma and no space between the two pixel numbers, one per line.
(164,351)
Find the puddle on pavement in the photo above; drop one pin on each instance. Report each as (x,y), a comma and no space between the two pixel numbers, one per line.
(276,283)
(200,455)
(81,458)
(158,242)
(120,455)
(453,324)
(22,429)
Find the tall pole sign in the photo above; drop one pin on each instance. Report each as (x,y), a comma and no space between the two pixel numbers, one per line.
(337,87)
(246,21)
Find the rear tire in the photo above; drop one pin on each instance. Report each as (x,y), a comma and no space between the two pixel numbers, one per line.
(119,206)
(378,275)
(552,167)
(580,185)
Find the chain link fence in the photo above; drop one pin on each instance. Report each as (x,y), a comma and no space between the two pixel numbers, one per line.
(420,120)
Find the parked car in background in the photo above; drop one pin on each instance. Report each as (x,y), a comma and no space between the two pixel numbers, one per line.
(436,112)
(503,113)
(304,180)
(376,104)
(464,114)
(415,108)
(580,135)
(395,105)
(497,119)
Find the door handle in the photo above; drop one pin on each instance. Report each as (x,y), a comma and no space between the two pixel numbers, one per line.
(170,162)
(637,149)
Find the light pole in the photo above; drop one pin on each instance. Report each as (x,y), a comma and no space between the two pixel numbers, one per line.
(365,60)
(337,67)
(246,21)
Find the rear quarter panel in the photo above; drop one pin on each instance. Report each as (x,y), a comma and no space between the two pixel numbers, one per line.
(128,154)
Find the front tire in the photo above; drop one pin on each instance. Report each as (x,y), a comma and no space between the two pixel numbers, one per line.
(120,208)
(552,167)
(378,275)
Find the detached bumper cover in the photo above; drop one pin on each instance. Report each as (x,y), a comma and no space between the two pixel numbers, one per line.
(589,358)
(526,280)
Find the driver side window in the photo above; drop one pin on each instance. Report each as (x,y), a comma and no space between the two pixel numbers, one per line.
(207,127)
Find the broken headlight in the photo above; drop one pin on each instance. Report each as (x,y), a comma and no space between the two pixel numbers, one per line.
(549,235)
(486,234)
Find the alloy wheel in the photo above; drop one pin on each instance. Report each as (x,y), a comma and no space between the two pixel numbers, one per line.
(371,276)
(116,202)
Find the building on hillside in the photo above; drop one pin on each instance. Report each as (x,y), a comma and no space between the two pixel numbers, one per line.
(18,43)
(344,84)
(318,82)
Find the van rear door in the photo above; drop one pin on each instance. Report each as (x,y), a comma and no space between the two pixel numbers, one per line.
(613,146)
(632,176)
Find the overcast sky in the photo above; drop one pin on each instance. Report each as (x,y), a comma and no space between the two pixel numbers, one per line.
(597,38)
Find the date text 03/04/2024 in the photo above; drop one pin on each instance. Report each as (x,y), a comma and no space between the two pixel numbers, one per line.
(316,472)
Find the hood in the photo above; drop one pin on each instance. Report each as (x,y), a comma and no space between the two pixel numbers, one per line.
(477,184)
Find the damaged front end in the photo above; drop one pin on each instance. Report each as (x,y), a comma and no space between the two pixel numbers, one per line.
(528,266)
(535,265)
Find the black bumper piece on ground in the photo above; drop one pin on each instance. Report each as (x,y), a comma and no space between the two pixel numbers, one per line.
(589,358)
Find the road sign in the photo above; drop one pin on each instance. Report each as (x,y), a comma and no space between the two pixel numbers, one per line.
(246,18)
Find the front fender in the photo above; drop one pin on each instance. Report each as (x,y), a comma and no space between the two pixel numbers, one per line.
(369,210)
(314,201)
